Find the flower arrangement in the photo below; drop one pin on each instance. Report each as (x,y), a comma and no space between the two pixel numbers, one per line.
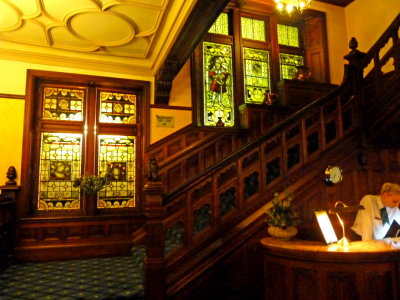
(282,214)
(91,184)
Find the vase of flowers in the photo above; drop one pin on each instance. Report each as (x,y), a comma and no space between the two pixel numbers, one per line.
(90,185)
(281,217)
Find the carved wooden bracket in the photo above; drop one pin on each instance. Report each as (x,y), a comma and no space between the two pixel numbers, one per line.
(164,79)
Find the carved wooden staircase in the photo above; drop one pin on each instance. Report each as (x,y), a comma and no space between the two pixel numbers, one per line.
(220,203)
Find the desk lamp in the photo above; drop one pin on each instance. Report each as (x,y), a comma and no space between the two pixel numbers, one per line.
(326,225)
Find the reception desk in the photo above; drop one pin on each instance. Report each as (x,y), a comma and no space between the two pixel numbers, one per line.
(298,269)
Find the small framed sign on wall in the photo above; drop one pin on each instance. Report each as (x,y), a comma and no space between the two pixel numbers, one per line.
(165,121)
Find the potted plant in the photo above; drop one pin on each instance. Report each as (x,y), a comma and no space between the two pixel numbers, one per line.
(281,217)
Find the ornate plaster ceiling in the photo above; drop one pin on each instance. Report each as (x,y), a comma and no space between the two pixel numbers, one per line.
(121,33)
(120,36)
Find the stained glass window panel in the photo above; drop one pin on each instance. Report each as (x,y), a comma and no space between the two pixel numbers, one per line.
(288,63)
(117,158)
(253,29)
(288,35)
(117,108)
(221,25)
(60,165)
(63,104)
(218,89)
(257,79)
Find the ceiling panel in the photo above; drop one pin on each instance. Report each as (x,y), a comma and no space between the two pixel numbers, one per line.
(125,35)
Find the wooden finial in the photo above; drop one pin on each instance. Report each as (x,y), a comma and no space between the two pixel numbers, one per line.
(153,170)
(11,175)
(353,44)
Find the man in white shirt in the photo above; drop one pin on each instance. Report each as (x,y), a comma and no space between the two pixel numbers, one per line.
(380,211)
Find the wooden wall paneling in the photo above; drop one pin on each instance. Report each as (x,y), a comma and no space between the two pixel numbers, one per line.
(175,147)
(226,144)
(210,155)
(293,148)
(316,47)
(74,232)
(393,163)
(194,164)
(381,284)
(287,272)
(199,229)
(193,138)
(304,280)
(228,202)
(227,193)
(312,136)
(274,160)
(34,239)
(176,204)
(7,227)
(251,175)
(179,236)
(175,175)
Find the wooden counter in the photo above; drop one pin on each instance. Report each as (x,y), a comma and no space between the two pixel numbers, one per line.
(298,269)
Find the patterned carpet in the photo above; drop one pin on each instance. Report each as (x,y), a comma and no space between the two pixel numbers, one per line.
(97,278)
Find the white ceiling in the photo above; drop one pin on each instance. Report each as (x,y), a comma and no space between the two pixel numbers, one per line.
(126,36)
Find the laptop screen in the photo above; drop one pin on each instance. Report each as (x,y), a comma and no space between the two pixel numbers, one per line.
(326,226)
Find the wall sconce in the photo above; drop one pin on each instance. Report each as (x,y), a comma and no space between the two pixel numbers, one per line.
(326,225)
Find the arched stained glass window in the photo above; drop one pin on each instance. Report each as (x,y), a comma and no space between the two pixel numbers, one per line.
(218,89)
(257,78)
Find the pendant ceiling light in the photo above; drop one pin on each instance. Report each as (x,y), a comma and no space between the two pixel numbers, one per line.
(292,6)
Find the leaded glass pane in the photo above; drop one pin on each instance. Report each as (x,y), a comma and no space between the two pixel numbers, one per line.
(117,108)
(60,165)
(288,35)
(288,63)
(256,70)
(63,104)
(218,90)
(117,158)
(221,25)
(253,29)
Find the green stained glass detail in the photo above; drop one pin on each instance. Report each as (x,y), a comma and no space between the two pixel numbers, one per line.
(288,63)
(221,25)
(288,35)
(253,29)
(60,165)
(256,72)
(117,108)
(218,89)
(117,156)
(63,104)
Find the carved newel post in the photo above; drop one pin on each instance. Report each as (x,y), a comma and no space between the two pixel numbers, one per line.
(154,261)
(8,199)
(9,190)
(11,175)
(354,74)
